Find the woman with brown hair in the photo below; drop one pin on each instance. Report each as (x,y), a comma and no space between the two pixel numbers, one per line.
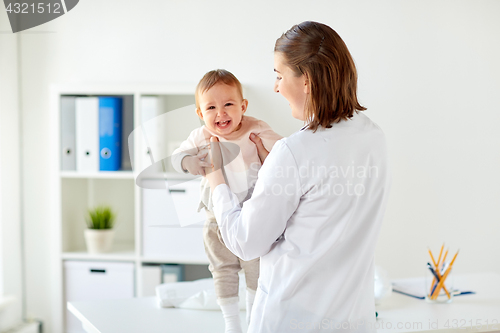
(318,205)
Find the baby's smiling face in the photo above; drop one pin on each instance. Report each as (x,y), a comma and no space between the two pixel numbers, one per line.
(221,108)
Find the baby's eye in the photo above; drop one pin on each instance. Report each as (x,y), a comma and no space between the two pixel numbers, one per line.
(229,104)
(211,108)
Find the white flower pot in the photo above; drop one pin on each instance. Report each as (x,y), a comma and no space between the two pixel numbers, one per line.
(99,240)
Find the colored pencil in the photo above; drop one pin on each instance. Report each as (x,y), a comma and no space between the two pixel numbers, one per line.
(433,287)
(441,282)
(445,254)
(440,253)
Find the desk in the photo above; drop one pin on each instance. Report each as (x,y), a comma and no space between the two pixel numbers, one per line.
(144,315)
(461,312)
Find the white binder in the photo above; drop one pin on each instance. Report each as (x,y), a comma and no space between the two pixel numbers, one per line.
(151,107)
(68,158)
(87,134)
(127,129)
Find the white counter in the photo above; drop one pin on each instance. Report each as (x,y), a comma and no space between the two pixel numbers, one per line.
(398,313)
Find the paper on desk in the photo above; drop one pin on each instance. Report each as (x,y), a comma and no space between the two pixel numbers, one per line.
(412,286)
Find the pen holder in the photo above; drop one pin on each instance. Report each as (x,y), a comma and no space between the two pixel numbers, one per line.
(437,291)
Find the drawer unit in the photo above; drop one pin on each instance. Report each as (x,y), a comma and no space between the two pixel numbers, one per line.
(171,203)
(86,280)
(171,226)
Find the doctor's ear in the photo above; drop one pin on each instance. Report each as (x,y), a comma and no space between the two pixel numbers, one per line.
(199,113)
(307,85)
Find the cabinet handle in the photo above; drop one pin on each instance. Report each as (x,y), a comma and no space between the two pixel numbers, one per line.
(176,191)
(97,270)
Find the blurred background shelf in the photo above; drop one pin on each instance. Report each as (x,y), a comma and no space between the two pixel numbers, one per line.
(146,249)
(112,256)
(98,175)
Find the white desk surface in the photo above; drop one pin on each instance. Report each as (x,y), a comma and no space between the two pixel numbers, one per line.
(466,310)
(411,314)
(144,315)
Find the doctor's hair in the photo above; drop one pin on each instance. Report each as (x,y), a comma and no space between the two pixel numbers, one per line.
(316,50)
(211,78)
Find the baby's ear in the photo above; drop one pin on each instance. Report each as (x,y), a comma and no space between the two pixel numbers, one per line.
(244,105)
(199,113)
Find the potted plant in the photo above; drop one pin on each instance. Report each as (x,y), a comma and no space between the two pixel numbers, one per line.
(100,233)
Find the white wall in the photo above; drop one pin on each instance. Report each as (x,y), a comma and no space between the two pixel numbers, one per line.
(10,217)
(428,73)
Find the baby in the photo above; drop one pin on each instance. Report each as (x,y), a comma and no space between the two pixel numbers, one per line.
(220,104)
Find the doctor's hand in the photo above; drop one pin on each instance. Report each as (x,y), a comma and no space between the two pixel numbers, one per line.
(196,164)
(214,176)
(261,150)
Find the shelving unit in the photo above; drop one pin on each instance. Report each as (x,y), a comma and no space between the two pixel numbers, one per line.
(101,175)
(77,191)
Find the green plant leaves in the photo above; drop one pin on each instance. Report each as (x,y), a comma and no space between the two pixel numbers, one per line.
(100,217)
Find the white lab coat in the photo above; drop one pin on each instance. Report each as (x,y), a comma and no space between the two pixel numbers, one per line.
(314,219)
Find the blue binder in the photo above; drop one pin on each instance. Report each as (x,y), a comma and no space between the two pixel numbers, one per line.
(110,133)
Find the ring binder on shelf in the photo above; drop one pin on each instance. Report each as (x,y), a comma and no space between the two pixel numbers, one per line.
(87,135)
(68,144)
(110,133)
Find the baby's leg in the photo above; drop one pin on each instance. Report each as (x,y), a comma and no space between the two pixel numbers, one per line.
(252,269)
(224,266)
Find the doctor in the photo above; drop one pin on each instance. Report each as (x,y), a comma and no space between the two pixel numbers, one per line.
(317,207)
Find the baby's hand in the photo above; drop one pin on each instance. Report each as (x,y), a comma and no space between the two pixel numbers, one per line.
(196,164)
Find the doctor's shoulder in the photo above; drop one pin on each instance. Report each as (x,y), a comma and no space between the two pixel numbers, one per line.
(304,145)
(372,129)
(299,139)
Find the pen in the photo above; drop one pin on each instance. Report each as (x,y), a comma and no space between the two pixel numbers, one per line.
(434,279)
(432,271)
(445,254)
(445,267)
(463,293)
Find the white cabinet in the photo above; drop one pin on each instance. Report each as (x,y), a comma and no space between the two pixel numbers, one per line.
(172,202)
(171,226)
(93,280)
(137,242)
